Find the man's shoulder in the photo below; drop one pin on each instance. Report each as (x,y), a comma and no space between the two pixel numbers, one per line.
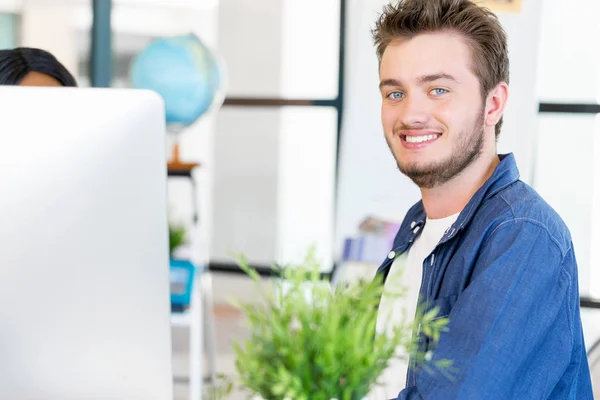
(520,203)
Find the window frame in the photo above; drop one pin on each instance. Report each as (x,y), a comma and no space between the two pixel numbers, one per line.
(101,76)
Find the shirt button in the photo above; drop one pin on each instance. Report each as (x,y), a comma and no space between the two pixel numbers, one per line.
(413,224)
(416,230)
(391,255)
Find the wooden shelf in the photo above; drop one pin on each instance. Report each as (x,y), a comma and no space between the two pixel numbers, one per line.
(181,168)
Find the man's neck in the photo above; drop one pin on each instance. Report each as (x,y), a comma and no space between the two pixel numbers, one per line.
(451,197)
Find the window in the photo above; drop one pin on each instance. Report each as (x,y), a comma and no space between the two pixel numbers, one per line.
(567,172)
(276,137)
(9,25)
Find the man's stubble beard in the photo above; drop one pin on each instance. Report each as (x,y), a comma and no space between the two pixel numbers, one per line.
(466,151)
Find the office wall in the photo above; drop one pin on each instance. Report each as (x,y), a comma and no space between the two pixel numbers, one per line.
(567,159)
(49,26)
(274,167)
(246,162)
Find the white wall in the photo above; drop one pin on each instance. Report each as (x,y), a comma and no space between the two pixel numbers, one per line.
(274,176)
(246,161)
(370,183)
(250,41)
(309,52)
(49,26)
(519,132)
(567,172)
(594,238)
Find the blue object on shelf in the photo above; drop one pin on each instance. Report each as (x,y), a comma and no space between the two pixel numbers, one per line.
(185,72)
(182,280)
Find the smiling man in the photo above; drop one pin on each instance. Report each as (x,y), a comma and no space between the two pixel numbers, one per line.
(482,245)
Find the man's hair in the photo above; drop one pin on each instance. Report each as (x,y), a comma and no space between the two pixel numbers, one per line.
(479,26)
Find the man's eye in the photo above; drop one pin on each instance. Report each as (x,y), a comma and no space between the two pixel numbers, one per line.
(395,95)
(439,91)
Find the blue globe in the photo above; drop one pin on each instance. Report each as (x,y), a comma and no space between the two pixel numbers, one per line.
(184,72)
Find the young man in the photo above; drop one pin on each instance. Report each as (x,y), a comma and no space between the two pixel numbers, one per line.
(485,248)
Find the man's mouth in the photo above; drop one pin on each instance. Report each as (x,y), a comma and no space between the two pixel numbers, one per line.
(420,139)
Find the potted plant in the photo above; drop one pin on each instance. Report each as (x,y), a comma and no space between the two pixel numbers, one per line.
(218,390)
(182,271)
(322,344)
(177,237)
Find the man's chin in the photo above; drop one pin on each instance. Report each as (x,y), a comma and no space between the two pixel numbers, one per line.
(424,176)
(416,168)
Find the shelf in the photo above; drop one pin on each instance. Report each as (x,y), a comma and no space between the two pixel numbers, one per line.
(181,169)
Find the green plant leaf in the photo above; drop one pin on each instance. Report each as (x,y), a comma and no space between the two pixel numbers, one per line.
(311,341)
(177,236)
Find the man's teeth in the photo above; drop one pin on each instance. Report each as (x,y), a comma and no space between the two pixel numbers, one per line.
(419,139)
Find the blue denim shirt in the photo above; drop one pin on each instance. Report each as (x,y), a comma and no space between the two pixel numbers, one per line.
(506,277)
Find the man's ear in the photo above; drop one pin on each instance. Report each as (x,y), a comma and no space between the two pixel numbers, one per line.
(495,104)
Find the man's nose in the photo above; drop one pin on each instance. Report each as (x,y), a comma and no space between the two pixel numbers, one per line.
(414,111)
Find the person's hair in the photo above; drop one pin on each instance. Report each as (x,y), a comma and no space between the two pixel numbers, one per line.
(477,25)
(18,62)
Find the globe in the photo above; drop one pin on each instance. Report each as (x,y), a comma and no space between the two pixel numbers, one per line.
(185,73)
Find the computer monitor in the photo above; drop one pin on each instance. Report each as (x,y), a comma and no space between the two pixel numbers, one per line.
(84,271)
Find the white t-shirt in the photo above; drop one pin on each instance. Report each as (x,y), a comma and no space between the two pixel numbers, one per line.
(392,310)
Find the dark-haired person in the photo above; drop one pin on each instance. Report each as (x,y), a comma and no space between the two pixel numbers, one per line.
(26,66)
(486,249)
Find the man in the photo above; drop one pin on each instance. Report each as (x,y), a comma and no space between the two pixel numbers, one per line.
(487,250)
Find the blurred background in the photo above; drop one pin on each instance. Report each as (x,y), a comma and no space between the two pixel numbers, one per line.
(292,153)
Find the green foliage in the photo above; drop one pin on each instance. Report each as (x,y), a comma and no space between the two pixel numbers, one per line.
(218,390)
(177,236)
(309,341)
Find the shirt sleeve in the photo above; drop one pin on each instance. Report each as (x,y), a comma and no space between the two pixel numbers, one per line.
(510,331)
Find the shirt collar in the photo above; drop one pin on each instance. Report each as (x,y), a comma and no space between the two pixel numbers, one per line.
(505,174)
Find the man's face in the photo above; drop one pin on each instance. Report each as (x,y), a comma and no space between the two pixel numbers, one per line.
(432,109)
